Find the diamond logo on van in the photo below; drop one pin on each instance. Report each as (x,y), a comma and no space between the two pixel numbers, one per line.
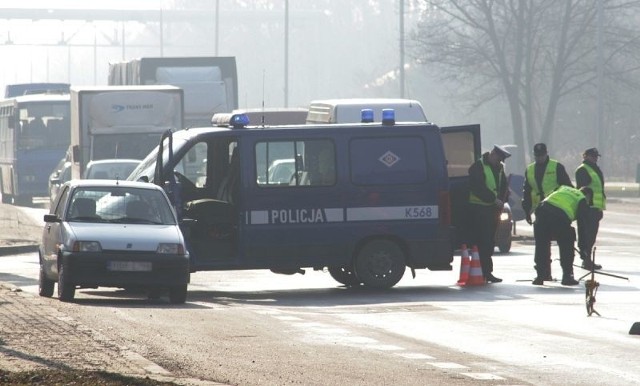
(389,159)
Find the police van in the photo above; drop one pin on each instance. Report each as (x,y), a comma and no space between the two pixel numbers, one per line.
(362,201)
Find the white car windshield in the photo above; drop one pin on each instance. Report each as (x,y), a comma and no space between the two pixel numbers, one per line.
(120,205)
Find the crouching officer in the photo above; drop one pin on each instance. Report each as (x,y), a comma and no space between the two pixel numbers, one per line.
(553,221)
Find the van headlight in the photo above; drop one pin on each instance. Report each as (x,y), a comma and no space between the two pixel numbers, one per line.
(87,246)
(170,248)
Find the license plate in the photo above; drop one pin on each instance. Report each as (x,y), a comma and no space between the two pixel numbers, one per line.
(131,266)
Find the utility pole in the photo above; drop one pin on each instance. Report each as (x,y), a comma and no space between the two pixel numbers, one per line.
(401,11)
(600,70)
(286,53)
(217,37)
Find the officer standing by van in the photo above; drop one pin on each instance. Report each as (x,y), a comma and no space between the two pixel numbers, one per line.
(488,191)
(589,174)
(541,177)
(553,221)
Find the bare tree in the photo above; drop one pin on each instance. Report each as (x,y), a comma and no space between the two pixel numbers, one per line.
(532,53)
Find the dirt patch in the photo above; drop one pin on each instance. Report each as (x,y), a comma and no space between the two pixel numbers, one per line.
(77,378)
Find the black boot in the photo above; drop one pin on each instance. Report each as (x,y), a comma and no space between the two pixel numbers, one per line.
(569,280)
(590,265)
(492,279)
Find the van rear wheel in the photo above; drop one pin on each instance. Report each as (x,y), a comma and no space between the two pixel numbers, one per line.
(380,264)
(344,275)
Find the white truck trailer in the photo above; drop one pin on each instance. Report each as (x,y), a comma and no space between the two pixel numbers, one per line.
(210,83)
(121,121)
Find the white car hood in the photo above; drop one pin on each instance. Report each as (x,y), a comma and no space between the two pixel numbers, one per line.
(126,237)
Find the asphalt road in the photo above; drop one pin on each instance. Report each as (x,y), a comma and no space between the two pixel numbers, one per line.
(255,328)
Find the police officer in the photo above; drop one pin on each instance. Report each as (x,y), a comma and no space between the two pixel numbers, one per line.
(541,178)
(589,174)
(553,221)
(488,193)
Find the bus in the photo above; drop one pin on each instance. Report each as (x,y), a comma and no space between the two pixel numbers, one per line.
(14,90)
(34,137)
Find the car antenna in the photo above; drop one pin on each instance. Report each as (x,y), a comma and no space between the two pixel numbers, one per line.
(262,117)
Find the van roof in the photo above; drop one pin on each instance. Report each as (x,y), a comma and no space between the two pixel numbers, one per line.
(348,110)
(365,101)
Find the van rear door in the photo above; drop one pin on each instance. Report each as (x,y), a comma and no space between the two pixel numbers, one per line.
(462,147)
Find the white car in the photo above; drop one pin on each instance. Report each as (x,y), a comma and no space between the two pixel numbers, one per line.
(112,169)
(108,233)
(281,171)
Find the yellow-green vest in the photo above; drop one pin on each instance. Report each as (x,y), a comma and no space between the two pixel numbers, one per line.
(567,199)
(596,186)
(549,182)
(489,181)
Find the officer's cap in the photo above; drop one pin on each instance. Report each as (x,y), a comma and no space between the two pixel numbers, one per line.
(539,149)
(592,152)
(501,151)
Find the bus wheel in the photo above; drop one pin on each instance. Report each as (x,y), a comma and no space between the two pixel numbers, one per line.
(23,200)
(344,275)
(6,199)
(380,264)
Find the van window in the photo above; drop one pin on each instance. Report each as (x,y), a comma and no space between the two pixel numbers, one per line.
(296,163)
(387,161)
(193,165)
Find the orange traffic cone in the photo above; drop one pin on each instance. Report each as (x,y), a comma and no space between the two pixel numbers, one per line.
(475,271)
(464,266)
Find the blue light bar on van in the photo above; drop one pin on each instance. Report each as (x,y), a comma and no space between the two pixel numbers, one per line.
(388,116)
(366,115)
(237,121)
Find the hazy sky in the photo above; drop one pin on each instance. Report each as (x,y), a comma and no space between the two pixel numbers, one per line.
(106,4)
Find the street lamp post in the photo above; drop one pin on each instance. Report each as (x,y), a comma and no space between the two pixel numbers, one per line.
(401,11)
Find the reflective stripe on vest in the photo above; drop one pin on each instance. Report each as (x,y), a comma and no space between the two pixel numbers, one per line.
(549,182)
(596,186)
(489,181)
(567,199)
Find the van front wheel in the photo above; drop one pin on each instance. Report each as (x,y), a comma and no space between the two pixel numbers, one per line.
(380,264)
(344,275)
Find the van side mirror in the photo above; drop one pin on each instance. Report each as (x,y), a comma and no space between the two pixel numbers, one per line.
(75,154)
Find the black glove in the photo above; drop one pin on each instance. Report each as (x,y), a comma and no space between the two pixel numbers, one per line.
(528,219)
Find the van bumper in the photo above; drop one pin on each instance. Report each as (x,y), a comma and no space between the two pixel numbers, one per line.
(436,255)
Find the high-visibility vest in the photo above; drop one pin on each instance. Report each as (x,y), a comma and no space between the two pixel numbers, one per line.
(567,199)
(595,185)
(549,182)
(489,181)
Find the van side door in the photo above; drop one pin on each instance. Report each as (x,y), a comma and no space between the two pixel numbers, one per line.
(462,147)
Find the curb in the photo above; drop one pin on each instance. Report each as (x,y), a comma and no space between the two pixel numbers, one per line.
(18,249)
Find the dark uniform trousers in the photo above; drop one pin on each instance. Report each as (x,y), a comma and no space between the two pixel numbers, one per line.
(483,223)
(587,236)
(551,224)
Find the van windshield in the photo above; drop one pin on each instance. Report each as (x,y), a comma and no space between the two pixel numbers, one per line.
(147,167)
